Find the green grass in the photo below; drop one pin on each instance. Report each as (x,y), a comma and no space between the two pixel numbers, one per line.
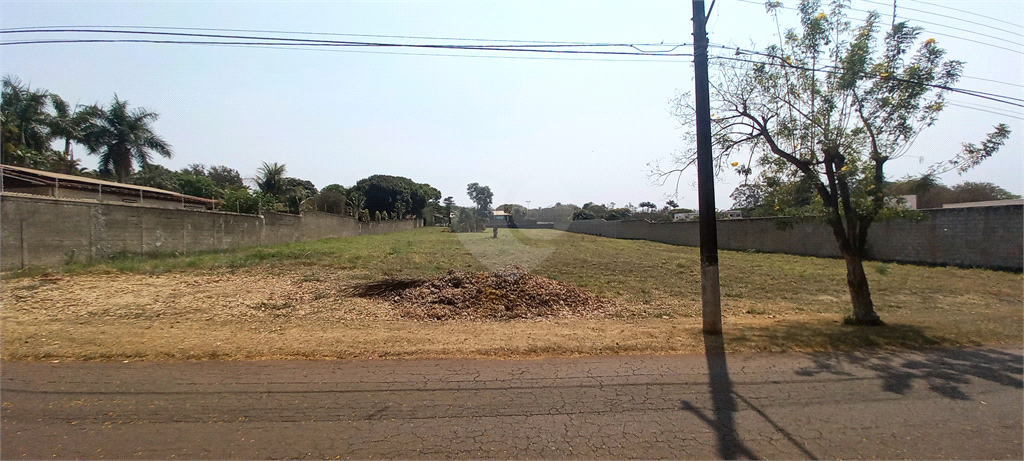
(770,302)
(665,278)
(645,273)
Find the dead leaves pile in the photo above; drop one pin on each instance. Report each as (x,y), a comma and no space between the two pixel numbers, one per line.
(506,294)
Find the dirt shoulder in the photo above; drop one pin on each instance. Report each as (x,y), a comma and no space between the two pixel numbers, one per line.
(302,312)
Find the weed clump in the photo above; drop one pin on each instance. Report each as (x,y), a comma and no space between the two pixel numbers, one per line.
(506,294)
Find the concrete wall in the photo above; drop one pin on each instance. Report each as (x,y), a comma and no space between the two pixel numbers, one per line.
(45,231)
(991,237)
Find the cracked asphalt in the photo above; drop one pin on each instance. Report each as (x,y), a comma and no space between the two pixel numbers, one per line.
(962,404)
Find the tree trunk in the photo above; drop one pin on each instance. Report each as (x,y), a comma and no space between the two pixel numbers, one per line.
(860,293)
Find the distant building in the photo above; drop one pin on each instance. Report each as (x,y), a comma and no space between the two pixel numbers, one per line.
(500,219)
(908,202)
(694,215)
(1016,201)
(45,183)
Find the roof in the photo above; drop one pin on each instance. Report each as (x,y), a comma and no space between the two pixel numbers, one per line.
(501,213)
(985,203)
(46,178)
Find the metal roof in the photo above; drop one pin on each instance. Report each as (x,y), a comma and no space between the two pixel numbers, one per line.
(46,178)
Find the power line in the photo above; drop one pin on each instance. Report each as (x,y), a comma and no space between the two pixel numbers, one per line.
(948,17)
(956,28)
(262,31)
(778,61)
(1012,50)
(237,40)
(978,94)
(298,40)
(993,81)
(368,45)
(259,40)
(968,12)
(989,110)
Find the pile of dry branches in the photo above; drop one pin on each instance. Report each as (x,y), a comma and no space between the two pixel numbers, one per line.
(505,294)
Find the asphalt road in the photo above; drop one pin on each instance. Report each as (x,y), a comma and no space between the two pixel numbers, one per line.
(965,404)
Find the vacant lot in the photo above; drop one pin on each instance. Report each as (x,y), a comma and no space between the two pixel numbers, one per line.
(295,301)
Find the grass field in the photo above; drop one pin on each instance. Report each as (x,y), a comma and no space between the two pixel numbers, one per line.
(288,301)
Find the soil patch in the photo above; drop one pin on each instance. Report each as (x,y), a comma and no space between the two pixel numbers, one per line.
(505,294)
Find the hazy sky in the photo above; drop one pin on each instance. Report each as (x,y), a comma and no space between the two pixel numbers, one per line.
(555,129)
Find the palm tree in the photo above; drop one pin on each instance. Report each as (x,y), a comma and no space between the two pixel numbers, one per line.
(122,138)
(270,178)
(23,113)
(71,125)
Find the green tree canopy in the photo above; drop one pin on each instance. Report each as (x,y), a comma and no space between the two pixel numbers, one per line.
(395,194)
(830,106)
(124,137)
(482,197)
(933,194)
(270,178)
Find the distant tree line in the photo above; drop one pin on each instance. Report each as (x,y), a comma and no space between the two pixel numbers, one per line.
(32,120)
(797,197)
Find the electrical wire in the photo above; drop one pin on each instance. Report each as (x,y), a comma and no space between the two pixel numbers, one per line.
(978,94)
(454,39)
(948,17)
(1012,50)
(968,12)
(993,81)
(239,40)
(777,61)
(989,110)
(384,45)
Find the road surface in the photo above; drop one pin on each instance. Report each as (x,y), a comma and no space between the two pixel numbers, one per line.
(937,404)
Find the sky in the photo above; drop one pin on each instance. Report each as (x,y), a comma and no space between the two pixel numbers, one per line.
(535,128)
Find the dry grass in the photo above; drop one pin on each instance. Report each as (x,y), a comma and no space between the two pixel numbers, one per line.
(288,301)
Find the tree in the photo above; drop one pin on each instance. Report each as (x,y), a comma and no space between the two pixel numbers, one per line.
(243,201)
(446,210)
(481,196)
(357,202)
(25,119)
(295,194)
(583,214)
(559,212)
(648,206)
(396,194)
(978,192)
(270,178)
(933,194)
(225,178)
(518,212)
(157,176)
(196,185)
(332,199)
(830,106)
(671,204)
(123,137)
(70,125)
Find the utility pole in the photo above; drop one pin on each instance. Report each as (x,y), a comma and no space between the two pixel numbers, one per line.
(710,291)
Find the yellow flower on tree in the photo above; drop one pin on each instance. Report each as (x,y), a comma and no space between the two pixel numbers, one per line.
(735,163)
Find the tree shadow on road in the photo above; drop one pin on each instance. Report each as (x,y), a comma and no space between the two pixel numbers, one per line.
(787,335)
(944,371)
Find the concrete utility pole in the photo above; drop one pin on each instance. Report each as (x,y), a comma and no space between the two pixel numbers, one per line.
(711,299)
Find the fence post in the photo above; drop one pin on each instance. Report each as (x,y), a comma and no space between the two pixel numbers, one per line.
(24,245)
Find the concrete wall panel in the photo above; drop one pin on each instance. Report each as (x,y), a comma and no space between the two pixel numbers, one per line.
(46,231)
(990,237)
